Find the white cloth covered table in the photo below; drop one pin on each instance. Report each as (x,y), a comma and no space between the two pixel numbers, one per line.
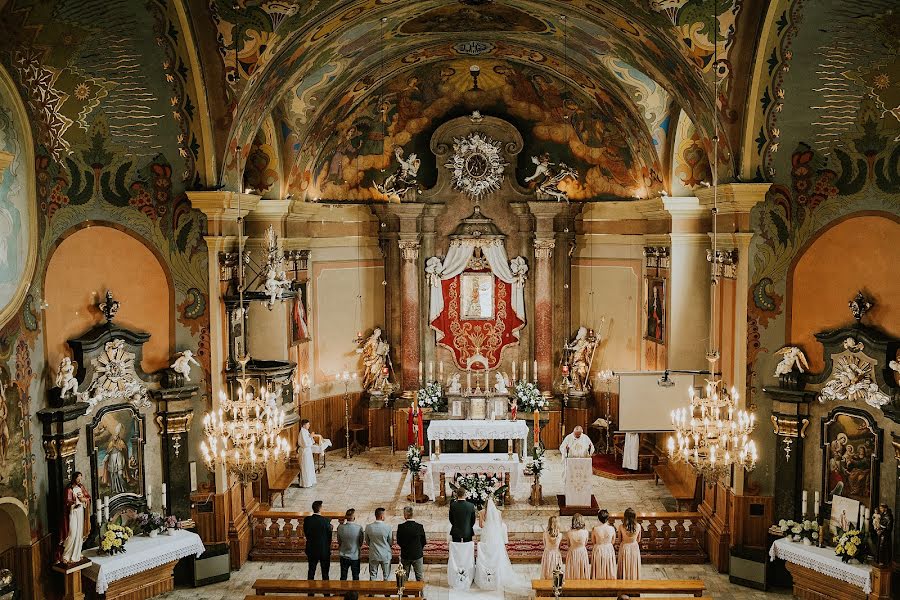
(319,450)
(822,560)
(476,429)
(453,463)
(461,565)
(141,554)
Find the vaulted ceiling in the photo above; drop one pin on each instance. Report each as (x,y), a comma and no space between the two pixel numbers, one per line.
(600,83)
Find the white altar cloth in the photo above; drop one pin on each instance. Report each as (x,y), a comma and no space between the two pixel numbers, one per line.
(141,554)
(475,429)
(822,560)
(453,463)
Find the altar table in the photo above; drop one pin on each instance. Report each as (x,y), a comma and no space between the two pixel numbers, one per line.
(450,464)
(818,572)
(145,568)
(478,429)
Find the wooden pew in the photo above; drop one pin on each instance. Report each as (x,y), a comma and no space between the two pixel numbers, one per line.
(334,587)
(276,479)
(586,588)
(682,482)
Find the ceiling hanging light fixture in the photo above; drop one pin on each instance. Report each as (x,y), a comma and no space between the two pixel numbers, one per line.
(712,434)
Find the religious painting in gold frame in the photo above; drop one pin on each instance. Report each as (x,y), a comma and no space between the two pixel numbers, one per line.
(476,297)
(851,447)
(655,328)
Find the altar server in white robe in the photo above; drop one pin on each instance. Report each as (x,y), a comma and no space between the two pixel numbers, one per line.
(307,465)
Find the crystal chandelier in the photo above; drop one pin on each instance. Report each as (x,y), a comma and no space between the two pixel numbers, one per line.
(713,433)
(244,434)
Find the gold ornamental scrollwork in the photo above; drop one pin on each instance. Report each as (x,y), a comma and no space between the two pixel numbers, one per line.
(789,428)
(58,448)
(544,248)
(175,423)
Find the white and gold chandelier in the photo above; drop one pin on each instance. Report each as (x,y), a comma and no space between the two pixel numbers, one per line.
(244,434)
(712,434)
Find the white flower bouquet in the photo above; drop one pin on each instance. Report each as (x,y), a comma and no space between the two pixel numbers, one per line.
(800,531)
(529,397)
(431,396)
(413,462)
(479,487)
(536,466)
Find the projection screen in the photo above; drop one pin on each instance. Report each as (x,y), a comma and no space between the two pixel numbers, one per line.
(644,405)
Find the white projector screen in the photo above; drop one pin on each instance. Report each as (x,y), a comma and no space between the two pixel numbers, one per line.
(644,405)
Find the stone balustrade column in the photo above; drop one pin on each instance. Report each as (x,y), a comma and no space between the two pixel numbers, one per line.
(543,310)
(411,314)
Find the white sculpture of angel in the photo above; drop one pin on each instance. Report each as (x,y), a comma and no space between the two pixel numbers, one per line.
(65,377)
(793,359)
(895,366)
(183,363)
(275,284)
(455,387)
(500,384)
(519,269)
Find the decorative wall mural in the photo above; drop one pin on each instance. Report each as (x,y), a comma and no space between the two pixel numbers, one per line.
(16,207)
(456,18)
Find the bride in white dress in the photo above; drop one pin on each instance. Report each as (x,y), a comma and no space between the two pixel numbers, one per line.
(493,569)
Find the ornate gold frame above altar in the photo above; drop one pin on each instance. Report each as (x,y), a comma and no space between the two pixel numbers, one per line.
(851,456)
(477,296)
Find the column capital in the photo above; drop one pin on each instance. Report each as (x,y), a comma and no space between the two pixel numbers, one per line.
(409,249)
(734,198)
(543,247)
(6,159)
(221,207)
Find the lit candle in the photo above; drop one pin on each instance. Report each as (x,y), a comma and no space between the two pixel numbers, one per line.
(534,374)
(803,505)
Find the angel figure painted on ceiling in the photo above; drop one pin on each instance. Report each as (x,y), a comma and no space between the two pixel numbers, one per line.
(548,175)
(403,182)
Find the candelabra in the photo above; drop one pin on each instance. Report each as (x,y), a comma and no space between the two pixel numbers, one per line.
(712,433)
(606,377)
(346,378)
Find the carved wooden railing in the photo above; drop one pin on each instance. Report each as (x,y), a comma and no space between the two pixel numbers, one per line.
(677,537)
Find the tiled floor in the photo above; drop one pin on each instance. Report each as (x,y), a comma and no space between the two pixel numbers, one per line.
(374,479)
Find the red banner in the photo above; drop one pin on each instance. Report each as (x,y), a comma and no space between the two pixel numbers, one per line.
(470,337)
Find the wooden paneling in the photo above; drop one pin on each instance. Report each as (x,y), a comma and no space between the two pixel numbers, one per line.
(550,432)
(749,530)
(379,424)
(326,416)
(716,507)
(30,566)
(141,586)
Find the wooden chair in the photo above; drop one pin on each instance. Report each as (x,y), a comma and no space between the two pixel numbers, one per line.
(587,588)
(335,588)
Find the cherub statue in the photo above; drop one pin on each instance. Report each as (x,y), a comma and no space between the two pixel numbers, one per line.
(65,378)
(403,181)
(183,364)
(550,176)
(455,387)
(433,269)
(276,282)
(793,359)
(501,383)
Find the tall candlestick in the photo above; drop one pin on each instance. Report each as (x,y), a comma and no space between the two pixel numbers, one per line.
(421,372)
(537,427)
(534,374)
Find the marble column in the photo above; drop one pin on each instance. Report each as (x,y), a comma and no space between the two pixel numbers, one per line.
(411,313)
(543,310)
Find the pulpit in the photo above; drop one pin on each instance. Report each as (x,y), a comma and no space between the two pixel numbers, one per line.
(577,483)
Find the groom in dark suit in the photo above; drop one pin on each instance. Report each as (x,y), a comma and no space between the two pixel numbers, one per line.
(462,518)
(317,530)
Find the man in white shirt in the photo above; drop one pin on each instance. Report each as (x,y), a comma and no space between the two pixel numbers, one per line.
(577,445)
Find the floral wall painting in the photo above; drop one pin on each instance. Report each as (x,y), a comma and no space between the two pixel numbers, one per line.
(851,455)
(116,438)
(656,310)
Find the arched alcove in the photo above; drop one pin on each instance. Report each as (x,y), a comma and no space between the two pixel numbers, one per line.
(89,260)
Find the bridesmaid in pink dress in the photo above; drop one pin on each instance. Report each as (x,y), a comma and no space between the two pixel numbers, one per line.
(551,558)
(578,565)
(630,548)
(603,556)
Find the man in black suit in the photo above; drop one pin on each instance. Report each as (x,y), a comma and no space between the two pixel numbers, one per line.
(411,539)
(317,530)
(462,518)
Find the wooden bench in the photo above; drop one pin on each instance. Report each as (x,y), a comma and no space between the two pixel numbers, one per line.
(277,479)
(332,587)
(682,482)
(585,588)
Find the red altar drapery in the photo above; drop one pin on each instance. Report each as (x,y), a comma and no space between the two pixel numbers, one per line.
(466,338)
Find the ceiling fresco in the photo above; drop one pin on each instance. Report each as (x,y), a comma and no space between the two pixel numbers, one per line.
(594,134)
(658,52)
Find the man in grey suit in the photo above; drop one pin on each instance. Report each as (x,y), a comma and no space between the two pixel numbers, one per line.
(380,538)
(462,518)
(350,538)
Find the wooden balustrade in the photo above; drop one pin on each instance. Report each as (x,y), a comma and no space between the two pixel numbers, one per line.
(676,537)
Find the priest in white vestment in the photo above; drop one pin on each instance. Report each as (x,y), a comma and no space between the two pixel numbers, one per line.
(304,447)
(577,445)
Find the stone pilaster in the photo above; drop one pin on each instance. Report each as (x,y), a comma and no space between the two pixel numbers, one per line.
(411,314)
(174,417)
(543,310)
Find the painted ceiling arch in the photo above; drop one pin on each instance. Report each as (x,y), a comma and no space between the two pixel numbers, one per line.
(315,38)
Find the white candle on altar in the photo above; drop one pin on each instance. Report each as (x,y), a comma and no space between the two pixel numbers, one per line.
(164,499)
(468,381)
(534,374)
(430,370)
(441,370)
(524,370)
(99,511)
(149,497)
(514,372)
(816,504)
(106,508)
(421,372)
(803,505)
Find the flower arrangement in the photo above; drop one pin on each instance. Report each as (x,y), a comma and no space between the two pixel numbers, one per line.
(413,462)
(151,523)
(172,522)
(850,546)
(529,397)
(800,531)
(536,466)
(431,396)
(479,487)
(113,538)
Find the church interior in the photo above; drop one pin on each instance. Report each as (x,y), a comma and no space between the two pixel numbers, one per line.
(449,299)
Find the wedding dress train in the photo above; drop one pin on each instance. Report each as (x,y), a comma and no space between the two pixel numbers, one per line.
(493,569)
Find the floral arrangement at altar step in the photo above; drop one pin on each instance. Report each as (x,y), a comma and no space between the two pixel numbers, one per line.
(536,466)
(479,487)
(805,531)
(413,462)
(431,396)
(113,538)
(529,397)
(850,546)
(151,523)
(172,524)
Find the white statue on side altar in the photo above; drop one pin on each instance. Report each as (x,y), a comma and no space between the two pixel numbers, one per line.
(183,363)
(793,359)
(65,378)
(455,387)
(276,282)
(374,355)
(581,355)
(501,383)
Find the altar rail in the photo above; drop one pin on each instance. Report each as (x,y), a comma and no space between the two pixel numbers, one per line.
(676,537)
